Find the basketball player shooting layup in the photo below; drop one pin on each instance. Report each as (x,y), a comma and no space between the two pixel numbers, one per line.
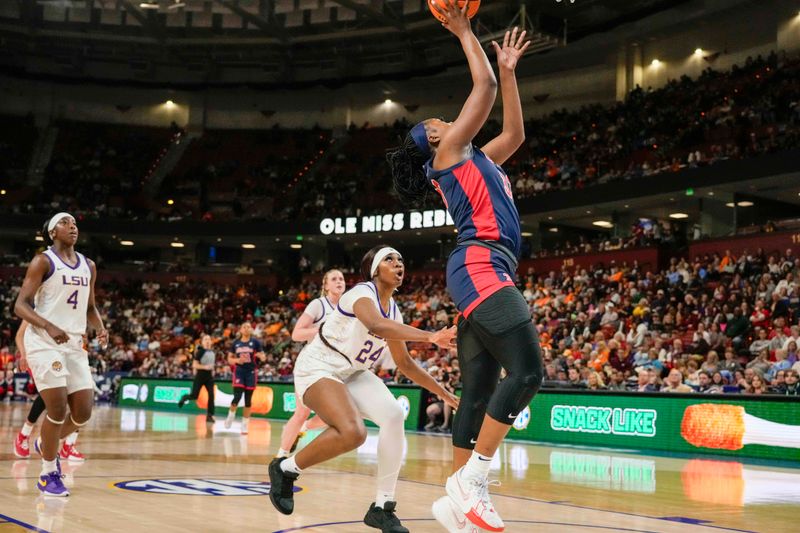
(57,301)
(496,330)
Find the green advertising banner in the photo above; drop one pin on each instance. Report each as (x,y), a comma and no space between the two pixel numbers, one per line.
(270,400)
(715,424)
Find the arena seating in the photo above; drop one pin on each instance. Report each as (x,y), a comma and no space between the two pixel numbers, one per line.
(727,323)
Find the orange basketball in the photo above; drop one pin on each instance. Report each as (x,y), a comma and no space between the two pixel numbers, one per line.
(442,4)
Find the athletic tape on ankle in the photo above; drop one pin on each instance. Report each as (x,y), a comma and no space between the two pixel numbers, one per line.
(56,422)
(77,424)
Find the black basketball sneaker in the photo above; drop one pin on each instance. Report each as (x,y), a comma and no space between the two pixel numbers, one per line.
(384,518)
(281,490)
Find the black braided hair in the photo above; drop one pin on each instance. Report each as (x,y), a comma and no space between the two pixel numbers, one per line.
(406,163)
(46,233)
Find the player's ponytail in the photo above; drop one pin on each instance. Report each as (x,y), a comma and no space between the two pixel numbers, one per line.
(406,164)
(46,232)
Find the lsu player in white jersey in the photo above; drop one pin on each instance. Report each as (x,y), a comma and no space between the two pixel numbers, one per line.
(57,301)
(314,315)
(332,376)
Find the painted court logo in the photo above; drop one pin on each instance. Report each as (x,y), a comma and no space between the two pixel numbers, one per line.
(198,487)
(605,420)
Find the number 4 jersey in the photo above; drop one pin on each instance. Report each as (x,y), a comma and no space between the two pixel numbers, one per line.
(349,336)
(63,297)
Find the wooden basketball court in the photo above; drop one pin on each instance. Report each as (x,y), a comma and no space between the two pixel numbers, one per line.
(155,471)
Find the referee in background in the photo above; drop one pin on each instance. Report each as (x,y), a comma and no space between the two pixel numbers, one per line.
(203,365)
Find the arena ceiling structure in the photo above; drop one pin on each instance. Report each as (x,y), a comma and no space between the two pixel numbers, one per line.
(280,43)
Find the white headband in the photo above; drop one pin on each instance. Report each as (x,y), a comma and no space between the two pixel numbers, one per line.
(56,219)
(380,256)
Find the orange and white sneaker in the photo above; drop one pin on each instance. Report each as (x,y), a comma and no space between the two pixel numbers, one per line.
(471,495)
(451,518)
(69,453)
(22,446)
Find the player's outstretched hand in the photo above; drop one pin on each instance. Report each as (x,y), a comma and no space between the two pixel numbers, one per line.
(457,21)
(451,399)
(513,48)
(445,337)
(57,334)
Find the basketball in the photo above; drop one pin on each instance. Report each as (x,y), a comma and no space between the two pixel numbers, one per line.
(474,5)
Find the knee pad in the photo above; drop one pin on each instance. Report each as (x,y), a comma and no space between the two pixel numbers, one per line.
(79,424)
(56,422)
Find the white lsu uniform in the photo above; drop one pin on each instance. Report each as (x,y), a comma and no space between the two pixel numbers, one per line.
(319,309)
(62,299)
(350,350)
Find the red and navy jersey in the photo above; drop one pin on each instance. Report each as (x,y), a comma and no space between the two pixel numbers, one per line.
(477,193)
(247,351)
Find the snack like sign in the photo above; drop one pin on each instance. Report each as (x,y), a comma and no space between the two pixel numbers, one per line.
(606,420)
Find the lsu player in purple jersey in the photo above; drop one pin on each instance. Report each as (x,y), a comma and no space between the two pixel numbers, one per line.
(496,331)
(57,301)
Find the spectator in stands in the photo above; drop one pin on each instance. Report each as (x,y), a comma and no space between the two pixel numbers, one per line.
(706,386)
(646,380)
(595,381)
(674,382)
(791,386)
(737,328)
(757,385)
(761,363)
(730,363)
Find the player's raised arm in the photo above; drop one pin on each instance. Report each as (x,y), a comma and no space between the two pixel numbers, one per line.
(504,145)
(484,89)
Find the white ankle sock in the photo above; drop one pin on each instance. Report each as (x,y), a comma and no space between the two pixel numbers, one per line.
(477,466)
(289,465)
(48,467)
(283,453)
(382,497)
(26,429)
(71,438)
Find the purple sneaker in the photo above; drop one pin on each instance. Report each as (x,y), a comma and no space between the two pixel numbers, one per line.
(51,485)
(37,446)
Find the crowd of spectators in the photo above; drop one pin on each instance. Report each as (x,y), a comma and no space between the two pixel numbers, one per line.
(281,174)
(750,110)
(713,324)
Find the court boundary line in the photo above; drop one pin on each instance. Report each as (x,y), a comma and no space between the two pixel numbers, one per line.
(591,526)
(22,524)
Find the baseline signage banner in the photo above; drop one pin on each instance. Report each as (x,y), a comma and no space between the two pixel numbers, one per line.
(715,424)
(270,400)
(710,424)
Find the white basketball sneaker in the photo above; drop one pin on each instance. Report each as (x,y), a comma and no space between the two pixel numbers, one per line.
(229,421)
(451,518)
(245,423)
(471,495)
